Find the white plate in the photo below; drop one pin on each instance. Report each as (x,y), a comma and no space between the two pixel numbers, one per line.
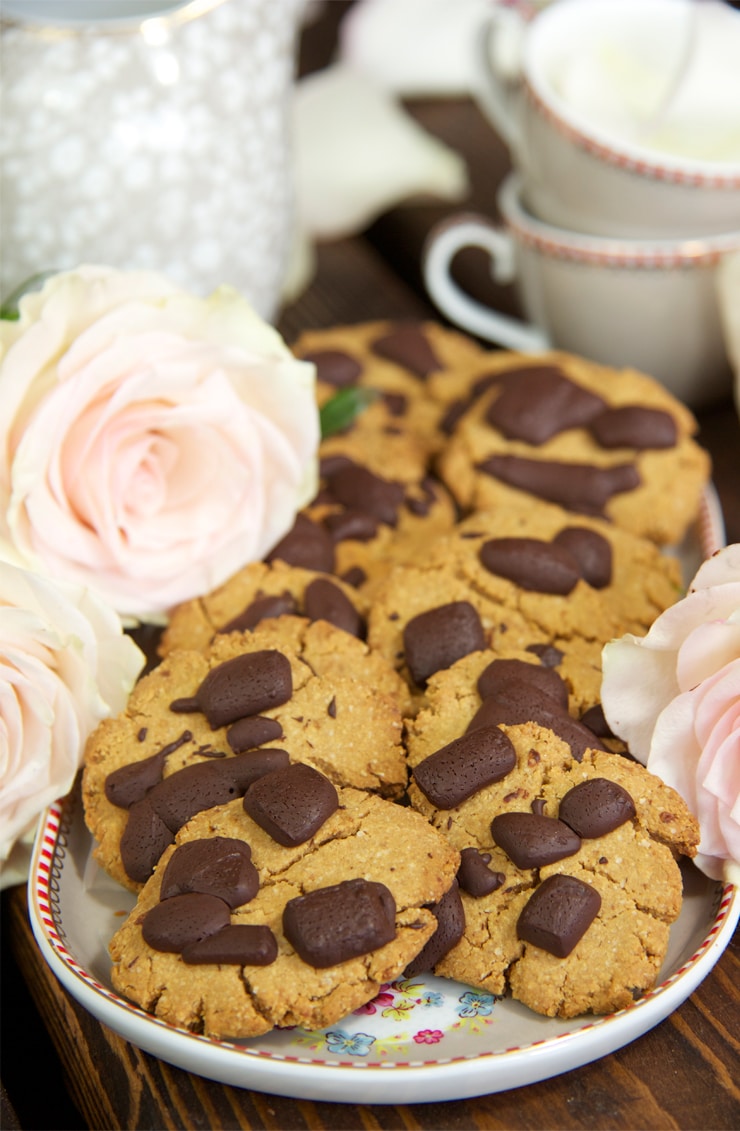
(421,1041)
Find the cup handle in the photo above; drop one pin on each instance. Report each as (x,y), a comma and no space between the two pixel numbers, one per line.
(497,60)
(440,248)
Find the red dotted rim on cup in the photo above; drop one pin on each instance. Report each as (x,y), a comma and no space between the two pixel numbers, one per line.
(640,166)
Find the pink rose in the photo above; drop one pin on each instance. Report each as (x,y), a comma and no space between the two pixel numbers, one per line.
(674,697)
(151,442)
(65,664)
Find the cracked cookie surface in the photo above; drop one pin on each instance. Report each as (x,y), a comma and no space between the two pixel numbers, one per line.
(631,866)
(342,716)
(365,837)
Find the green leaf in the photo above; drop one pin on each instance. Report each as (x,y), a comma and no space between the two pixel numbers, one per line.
(343,408)
(9,311)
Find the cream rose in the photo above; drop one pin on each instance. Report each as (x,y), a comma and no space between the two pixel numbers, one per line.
(65,664)
(674,697)
(151,442)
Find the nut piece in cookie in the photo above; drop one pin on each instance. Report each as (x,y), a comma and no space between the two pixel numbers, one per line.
(333,918)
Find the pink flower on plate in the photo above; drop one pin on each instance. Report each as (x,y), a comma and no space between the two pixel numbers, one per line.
(65,664)
(428,1036)
(674,697)
(152,442)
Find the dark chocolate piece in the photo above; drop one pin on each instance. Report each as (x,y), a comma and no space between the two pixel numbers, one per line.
(360,489)
(595,719)
(205,784)
(129,784)
(238,944)
(246,734)
(465,766)
(500,672)
(323,600)
(396,403)
(596,807)
(474,876)
(548,655)
(531,564)
(527,704)
(351,526)
(220,866)
(532,840)
(437,638)
(558,914)
(407,345)
(246,685)
(450,916)
(541,402)
(307,545)
(334,367)
(260,609)
(592,552)
(575,486)
(292,803)
(174,923)
(143,841)
(632,426)
(334,924)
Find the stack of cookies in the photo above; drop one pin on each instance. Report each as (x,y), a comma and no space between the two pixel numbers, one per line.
(381,750)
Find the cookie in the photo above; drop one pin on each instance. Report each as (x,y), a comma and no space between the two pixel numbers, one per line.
(395,358)
(363,523)
(569,880)
(202,726)
(595,440)
(238,932)
(513,578)
(259,591)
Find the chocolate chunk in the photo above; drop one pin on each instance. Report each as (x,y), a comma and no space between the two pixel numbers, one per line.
(355,577)
(351,526)
(450,916)
(335,367)
(528,704)
(575,486)
(437,638)
(474,876)
(239,944)
(307,545)
(205,784)
(323,600)
(531,840)
(531,564)
(360,489)
(261,609)
(465,766)
(246,685)
(596,807)
(595,720)
(330,465)
(396,403)
(632,426)
(548,655)
(337,923)
(592,552)
(500,672)
(558,914)
(184,919)
(292,803)
(539,402)
(220,866)
(407,345)
(143,841)
(246,734)
(129,784)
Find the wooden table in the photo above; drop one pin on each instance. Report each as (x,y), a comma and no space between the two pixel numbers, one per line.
(63,1070)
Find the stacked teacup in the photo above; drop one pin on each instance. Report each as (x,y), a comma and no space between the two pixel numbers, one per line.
(622,118)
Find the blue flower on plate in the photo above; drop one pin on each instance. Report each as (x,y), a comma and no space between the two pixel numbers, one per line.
(474,1004)
(356,1044)
(431,999)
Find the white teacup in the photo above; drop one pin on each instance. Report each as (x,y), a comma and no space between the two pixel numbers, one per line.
(652,304)
(582,101)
